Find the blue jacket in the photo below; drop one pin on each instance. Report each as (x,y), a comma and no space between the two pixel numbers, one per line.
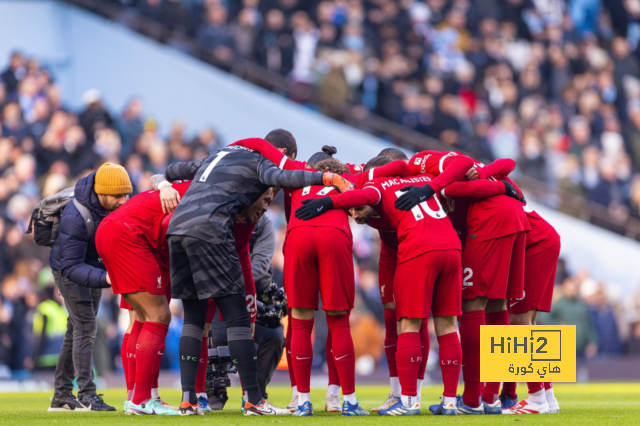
(75,254)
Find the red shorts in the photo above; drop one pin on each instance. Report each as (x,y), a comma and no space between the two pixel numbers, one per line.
(386,271)
(130,262)
(250,297)
(431,282)
(494,268)
(319,260)
(540,276)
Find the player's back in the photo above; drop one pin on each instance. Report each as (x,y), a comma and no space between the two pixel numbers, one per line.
(143,215)
(424,228)
(486,218)
(223,185)
(333,218)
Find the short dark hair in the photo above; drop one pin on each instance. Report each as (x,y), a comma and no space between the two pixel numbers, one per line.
(281,138)
(378,161)
(394,154)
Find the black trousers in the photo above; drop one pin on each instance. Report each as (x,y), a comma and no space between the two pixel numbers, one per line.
(76,354)
(269,343)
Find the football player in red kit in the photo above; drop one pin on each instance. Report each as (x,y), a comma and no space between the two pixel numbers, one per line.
(493,231)
(133,247)
(541,259)
(242,229)
(276,156)
(386,270)
(428,259)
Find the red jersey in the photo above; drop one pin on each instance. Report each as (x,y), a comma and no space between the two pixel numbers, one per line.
(424,228)
(487,218)
(542,234)
(333,218)
(143,215)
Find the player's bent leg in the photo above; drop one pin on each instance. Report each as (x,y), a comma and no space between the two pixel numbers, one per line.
(472,318)
(293,405)
(345,360)
(490,393)
(425,344)
(195,314)
(201,378)
(332,399)
(450,357)
(129,380)
(149,349)
(243,352)
(302,321)
(409,357)
(390,347)
(537,400)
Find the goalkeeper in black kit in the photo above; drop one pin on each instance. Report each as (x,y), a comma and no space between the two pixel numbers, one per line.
(205,264)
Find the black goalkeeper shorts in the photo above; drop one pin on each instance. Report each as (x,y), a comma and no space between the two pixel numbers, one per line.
(200,270)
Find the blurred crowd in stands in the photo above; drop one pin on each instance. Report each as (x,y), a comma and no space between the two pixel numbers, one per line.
(551,83)
(501,78)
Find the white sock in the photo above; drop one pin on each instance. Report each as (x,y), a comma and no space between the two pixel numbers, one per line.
(537,397)
(129,395)
(245,396)
(304,397)
(551,398)
(419,387)
(408,401)
(155,394)
(199,394)
(333,390)
(396,390)
(448,400)
(351,398)
(294,391)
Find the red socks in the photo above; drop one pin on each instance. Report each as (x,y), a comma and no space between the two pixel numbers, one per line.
(425,343)
(302,352)
(287,348)
(343,352)
(509,389)
(450,362)
(469,325)
(547,385)
(535,387)
(409,357)
(125,362)
(131,351)
(149,352)
(391,340)
(334,378)
(201,378)
(491,390)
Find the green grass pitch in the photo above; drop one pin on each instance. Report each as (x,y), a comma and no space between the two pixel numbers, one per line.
(588,404)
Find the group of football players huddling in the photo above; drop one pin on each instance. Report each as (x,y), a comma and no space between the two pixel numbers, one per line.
(457,243)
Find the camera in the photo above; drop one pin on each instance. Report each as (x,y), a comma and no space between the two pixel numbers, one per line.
(218,369)
(271,307)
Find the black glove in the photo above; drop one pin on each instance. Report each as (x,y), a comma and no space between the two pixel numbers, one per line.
(413,195)
(314,208)
(511,191)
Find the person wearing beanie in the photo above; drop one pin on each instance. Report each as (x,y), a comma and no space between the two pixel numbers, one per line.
(80,277)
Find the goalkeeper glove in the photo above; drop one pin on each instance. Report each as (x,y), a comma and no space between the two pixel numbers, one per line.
(413,195)
(314,208)
(337,181)
(511,191)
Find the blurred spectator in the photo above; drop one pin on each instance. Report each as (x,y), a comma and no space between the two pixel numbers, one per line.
(571,308)
(604,318)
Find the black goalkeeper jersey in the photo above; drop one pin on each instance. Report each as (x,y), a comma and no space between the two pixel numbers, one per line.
(224,184)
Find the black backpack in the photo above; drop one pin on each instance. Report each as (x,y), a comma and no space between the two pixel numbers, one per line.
(45,219)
